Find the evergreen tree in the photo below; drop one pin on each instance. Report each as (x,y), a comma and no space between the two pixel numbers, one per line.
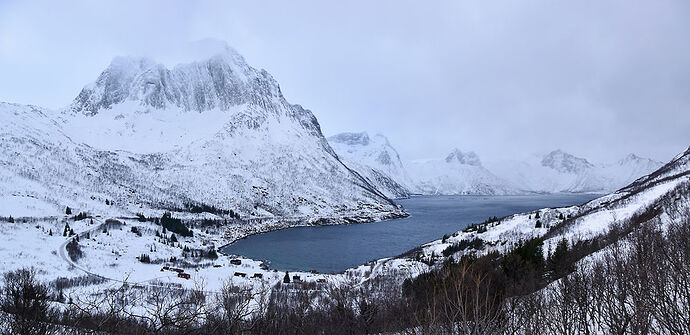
(173,238)
(286,279)
(559,262)
(537,216)
(538,225)
(11,219)
(61,296)
(107,202)
(68,211)
(50,232)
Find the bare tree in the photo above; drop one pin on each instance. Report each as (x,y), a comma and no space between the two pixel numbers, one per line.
(25,302)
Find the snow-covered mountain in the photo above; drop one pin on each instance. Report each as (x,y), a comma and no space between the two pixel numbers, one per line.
(559,171)
(564,162)
(215,132)
(657,200)
(459,173)
(375,160)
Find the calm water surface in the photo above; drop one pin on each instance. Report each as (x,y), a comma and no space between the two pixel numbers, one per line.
(336,248)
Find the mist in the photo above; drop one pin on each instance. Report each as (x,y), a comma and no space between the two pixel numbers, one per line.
(597,79)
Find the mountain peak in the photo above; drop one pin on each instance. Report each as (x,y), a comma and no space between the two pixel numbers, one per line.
(218,80)
(564,162)
(361,138)
(467,158)
(635,159)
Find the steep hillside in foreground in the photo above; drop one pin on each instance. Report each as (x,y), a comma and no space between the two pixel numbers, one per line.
(375,160)
(216,132)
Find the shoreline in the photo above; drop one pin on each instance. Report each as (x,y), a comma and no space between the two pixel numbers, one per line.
(345,220)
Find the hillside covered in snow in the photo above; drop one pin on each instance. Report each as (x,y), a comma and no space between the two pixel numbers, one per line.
(215,134)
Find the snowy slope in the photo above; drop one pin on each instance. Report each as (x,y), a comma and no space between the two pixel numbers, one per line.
(216,132)
(375,160)
(458,173)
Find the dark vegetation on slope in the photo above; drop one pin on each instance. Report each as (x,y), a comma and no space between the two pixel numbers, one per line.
(639,285)
(74,249)
(640,282)
(175,225)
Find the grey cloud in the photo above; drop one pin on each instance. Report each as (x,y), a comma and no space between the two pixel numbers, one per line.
(599,79)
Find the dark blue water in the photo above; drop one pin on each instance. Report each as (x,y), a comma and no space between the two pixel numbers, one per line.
(330,249)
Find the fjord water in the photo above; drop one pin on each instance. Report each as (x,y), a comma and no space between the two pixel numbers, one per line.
(331,249)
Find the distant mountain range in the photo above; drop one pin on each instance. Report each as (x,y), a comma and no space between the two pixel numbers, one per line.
(464,172)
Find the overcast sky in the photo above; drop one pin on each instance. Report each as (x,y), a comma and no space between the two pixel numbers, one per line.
(599,79)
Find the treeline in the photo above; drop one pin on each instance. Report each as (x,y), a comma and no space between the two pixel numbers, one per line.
(637,281)
(204,208)
(169,223)
(639,285)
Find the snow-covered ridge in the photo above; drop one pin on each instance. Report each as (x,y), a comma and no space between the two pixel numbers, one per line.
(458,173)
(374,159)
(565,162)
(559,171)
(219,82)
(464,172)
